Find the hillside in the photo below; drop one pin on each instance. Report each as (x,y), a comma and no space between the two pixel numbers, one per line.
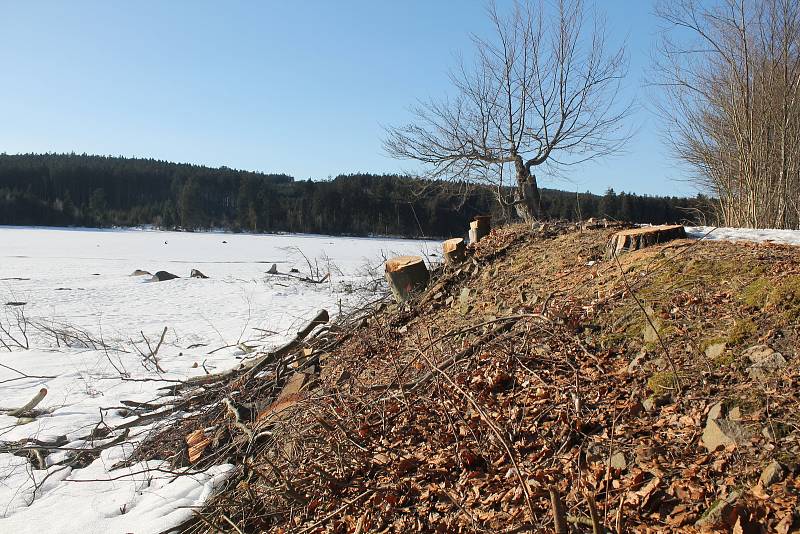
(83,190)
(658,392)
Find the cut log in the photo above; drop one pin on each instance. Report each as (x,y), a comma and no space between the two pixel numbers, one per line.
(197,442)
(291,394)
(454,251)
(406,275)
(482,225)
(639,238)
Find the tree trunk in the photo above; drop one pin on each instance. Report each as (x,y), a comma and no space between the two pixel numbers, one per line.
(528,201)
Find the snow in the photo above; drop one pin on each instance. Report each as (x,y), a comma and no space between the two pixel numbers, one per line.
(787,237)
(79,279)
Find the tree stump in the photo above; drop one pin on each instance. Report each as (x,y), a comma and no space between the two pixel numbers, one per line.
(639,238)
(480,227)
(454,251)
(406,275)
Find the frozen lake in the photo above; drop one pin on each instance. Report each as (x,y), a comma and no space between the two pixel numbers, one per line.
(78,281)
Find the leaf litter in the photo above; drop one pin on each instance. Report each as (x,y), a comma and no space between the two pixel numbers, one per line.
(521,392)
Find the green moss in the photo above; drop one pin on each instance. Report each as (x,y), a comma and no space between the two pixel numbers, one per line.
(781,294)
(662,382)
(741,330)
(754,295)
(652,346)
(614,339)
(725,359)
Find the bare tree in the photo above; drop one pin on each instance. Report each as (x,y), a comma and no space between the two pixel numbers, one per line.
(543,91)
(730,73)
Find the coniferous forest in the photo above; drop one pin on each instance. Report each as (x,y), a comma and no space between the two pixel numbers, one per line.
(83,190)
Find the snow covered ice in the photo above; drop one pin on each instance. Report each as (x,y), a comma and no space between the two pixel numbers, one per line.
(786,237)
(79,280)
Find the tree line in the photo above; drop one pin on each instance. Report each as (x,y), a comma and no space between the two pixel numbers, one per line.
(99,191)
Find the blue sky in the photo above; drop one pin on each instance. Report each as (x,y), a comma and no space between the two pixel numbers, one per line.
(297,87)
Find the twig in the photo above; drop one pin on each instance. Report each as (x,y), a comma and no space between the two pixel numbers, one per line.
(23,375)
(231,523)
(559,516)
(335,512)
(597,528)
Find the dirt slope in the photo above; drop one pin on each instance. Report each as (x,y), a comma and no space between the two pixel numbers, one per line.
(658,386)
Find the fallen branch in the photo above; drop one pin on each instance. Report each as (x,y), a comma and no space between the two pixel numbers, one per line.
(31,404)
(559,516)
(597,527)
(253,367)
(22,376)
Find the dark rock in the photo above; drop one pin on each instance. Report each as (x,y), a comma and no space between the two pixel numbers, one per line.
(162,276)
(197,274)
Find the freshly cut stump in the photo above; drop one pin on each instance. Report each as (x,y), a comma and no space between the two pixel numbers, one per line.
(197,442)
(454,251)
(406,275)
(638,238)
(481,227)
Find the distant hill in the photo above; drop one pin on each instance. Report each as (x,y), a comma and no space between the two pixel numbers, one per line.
(84,190)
